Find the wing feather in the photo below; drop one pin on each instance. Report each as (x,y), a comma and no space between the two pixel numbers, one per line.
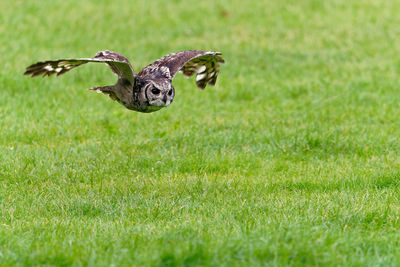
(118,64)
(205,64)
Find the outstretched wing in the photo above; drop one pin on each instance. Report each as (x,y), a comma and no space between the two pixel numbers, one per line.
(204,63)
(118,64)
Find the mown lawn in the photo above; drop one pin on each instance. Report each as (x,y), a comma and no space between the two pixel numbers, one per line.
(292,159)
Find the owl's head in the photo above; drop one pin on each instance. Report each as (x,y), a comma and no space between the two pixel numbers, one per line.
(155,89)
(159,94)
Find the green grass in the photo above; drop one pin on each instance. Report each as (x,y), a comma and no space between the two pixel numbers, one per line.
(292,159)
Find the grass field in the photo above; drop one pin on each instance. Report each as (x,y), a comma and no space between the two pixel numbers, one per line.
(292,159)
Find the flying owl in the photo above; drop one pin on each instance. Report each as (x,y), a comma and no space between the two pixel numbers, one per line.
(149,90)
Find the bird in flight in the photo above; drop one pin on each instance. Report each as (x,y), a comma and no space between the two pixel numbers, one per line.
(149,90)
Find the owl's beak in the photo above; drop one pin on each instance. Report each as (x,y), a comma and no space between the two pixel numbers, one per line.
(165,99)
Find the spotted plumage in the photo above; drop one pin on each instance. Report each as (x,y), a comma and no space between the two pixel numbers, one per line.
(149,90)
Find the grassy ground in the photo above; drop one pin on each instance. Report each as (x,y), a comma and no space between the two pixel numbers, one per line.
(292,159)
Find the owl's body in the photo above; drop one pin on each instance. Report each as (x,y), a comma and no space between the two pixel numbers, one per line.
(149,90)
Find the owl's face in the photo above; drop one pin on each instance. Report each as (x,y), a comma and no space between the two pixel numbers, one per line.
(159,94)
(154,90)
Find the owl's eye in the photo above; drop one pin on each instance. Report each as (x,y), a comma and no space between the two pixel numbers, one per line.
(155,91)
(170,92)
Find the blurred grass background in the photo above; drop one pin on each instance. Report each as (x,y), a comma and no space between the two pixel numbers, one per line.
(292,159)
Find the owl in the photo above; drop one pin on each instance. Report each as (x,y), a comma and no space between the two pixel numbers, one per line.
(149,90)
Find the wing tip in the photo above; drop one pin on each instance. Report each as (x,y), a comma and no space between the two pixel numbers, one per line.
(219,57)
